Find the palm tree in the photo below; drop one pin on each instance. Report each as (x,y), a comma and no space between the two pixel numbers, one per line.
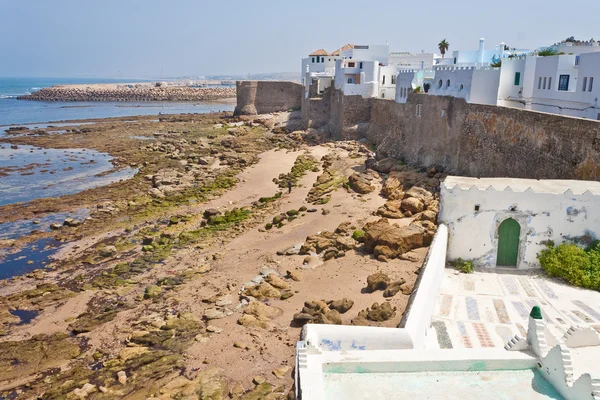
(443,46)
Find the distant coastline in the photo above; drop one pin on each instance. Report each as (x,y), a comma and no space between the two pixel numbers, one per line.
(131,92)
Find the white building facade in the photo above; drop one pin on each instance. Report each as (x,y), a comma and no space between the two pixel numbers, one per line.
(475,84)
(507,222)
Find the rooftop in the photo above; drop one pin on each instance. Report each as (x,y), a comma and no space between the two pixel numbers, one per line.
(549,186)
(343,48)
(319,52)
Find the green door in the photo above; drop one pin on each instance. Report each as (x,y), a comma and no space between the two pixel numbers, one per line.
(508,242)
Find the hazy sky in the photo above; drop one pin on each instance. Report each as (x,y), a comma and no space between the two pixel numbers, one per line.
(154,38)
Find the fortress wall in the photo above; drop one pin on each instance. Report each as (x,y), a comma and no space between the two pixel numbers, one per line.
(260,97)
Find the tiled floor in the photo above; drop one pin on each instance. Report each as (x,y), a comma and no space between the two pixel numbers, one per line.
(485,309)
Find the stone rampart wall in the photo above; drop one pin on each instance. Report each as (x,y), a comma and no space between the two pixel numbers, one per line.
(483,140)
(260,97)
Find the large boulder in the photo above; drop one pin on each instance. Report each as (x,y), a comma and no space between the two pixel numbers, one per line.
(412,205)
(385,165)
(360,184)
(377,281)
(398,239)
(419,193)
(391,209)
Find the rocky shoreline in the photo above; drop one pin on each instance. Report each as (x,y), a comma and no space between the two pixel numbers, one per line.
(136,92)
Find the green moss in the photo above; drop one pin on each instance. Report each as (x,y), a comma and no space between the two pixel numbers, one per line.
(265,200)
(359,235)
(302,209)
(302,165)
(292,213)
(268,226)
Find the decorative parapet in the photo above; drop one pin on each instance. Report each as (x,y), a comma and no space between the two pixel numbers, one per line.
(578,336)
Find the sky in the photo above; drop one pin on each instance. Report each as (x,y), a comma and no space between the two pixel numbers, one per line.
(172,38)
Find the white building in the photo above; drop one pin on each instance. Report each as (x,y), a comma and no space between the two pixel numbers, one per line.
(410,80)
(475,84)
(364,70)
(319,62)
(506,222)
(405,60)
(562,84)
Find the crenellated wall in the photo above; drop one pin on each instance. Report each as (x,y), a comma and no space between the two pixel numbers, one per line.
(261,97)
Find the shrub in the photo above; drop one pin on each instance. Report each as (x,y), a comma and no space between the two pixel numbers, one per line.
(302,209)
(466,267)
(291,213)
(268,226)
(576,265)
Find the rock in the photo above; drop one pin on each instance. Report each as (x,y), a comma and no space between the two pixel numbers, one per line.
(258,380)
(258,315)
(71,222)
(345,243)
(360,321)
(383,251)
(223,301)
(237,390)
(398,239)
(280,373)
(122,377)
(214,313)
(345,228)
(377,281)
(360,184)
(391,209)
(379,313)
(213,329)
(131,352)
(277,282)
(152,291)
(211,212)
(419,193)
(55,227)
(302,318)
(342,305)
(385,165)
(294,275)
(241,345)
(427,215)
(5,243)
(156,193)
(412,204)
(393,288)
(263,291)
(392,187)
(108,251)
(325,211)
(407,289)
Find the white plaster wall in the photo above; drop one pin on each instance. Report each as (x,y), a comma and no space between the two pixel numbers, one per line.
(458,76)
(387,90)
(418,319)
(508,92)
(474,235)
(404,82)
(412,61)
(484,86)
(589,67)
(374,52)
(368,89)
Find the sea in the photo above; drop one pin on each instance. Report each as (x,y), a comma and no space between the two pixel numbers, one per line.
(31,172)
(16,112)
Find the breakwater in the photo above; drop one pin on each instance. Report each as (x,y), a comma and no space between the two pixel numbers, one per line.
(137,92)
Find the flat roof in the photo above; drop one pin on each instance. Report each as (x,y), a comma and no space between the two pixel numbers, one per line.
(550,186)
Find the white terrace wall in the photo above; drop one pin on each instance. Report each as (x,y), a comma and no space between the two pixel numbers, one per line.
(473,235)
(419,311)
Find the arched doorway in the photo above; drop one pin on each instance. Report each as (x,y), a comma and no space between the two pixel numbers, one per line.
(508,243)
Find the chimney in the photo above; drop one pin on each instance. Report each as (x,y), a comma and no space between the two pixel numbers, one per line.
(481,50)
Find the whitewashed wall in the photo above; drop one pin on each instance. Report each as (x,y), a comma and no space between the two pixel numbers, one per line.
(473,235)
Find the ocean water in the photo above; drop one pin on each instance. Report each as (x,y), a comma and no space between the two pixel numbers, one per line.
(17,112)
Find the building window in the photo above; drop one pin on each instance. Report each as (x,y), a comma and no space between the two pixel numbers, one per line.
(591,84)
(549,83)
(351,65)
(517,78)
(322,59)
(540,83)
(360,65)
(419,109)
(447,83)
(349,80)
(318,59)
(440,84)
(313,60)
(382,95)
(393,79)
(563,82)
(584,84)
(577,59)
(461,87)
(383,80)
(477,207)
(544,86)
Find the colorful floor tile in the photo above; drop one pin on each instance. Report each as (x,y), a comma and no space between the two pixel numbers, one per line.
(511,285)
(524,281)
(547,290)
(520,307)
(464,335)
(584,317)
(469,285)
(505,333)
(442,334)
(503,317)
(521,329)
(472,309)
(482,335)
(446,305)
(587,309)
